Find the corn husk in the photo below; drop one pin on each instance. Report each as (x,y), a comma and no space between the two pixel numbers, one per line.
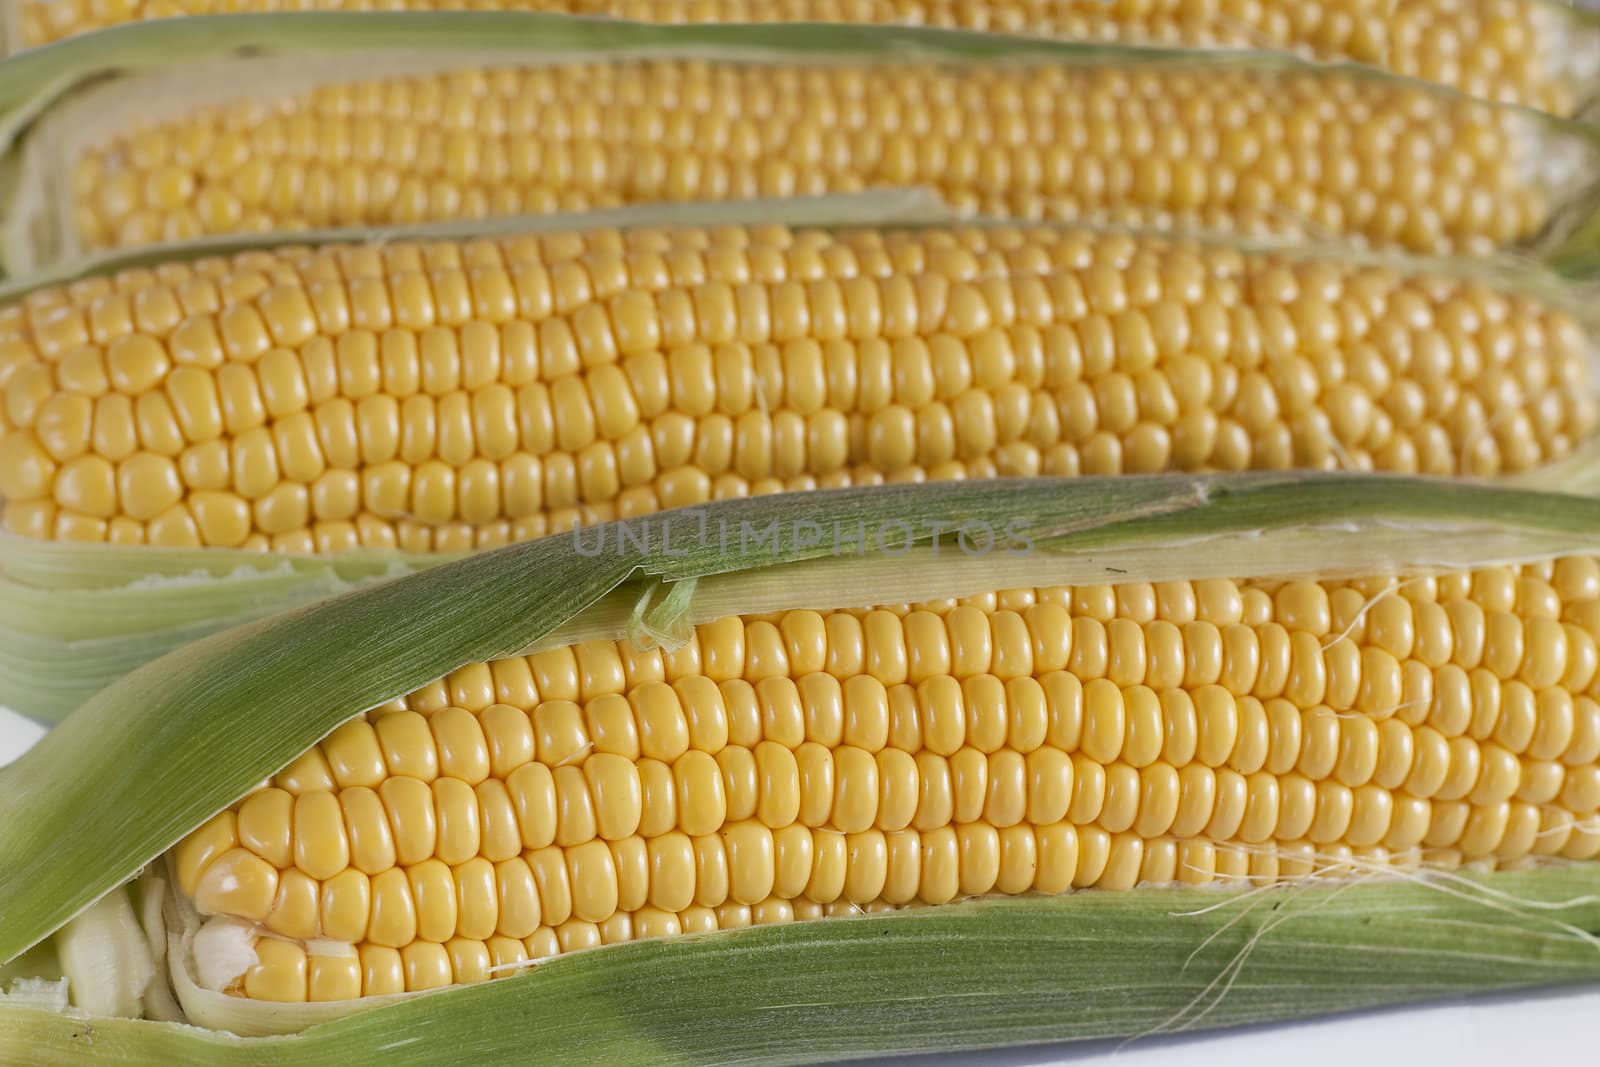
(143,763)
(56,100)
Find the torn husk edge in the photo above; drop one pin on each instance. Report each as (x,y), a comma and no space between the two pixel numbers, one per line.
(93,804)
(61,98)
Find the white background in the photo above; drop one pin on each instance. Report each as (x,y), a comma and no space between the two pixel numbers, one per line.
(1560,1027)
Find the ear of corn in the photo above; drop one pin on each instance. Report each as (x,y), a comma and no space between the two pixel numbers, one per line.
(1533,52)
(60,606)
(296,134)
(947,352)
(442,397)
(223,715)
(803,764)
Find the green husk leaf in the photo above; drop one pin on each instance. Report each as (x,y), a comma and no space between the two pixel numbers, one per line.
(93,801)
(179,600)
(982,974)
(74,618)
(39,962)
(1573,238)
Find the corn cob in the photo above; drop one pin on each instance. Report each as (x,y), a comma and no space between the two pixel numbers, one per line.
(446,396)
(804,764)
(1215,145)
(1516,51)
(1094,133)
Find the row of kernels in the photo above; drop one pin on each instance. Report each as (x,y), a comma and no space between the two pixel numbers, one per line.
(420,941)
(219,520)
(806,639)
(928,298)
(570,491)
(288,973)
(1268,660)
(224,519)
(1224,804)
(1219,601)
(747,859)
(337,426)
(1256,210)
(1545,589)
(910,868)
(662,720)
(556,273)
(842,95)
(405,820)
(693,390)
(1043,631)
(560,271)
(284,972)
(1535,758)
(1291,194)
(1264,659)
(1379,676)
(1549,723)
(851,788)
(290,460)
(734,378)
(1498,50)
(946,334)
(745,862)
(322,361)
